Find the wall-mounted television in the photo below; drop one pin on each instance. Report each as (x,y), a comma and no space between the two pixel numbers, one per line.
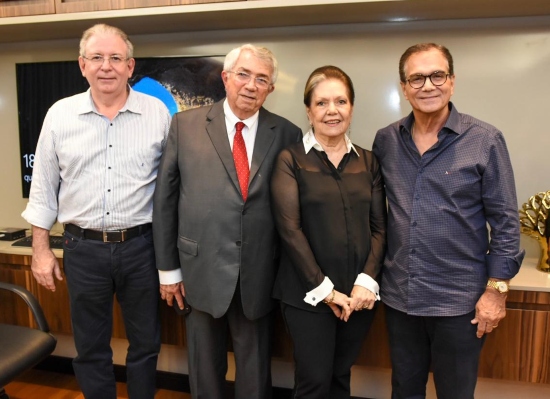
(180,82)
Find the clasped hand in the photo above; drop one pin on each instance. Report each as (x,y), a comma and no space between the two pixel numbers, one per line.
(343,306)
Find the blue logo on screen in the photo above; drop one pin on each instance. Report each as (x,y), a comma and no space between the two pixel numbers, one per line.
(155,89)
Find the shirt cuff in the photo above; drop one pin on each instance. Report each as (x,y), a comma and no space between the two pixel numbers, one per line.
(319,293)
(504,267)
(167,277)
(39,217)
(366,281)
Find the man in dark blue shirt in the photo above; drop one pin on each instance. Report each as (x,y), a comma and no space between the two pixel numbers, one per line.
(453,231)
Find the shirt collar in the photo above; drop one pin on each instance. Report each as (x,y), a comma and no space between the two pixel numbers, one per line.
(310,141)
(87,104)
(231,119)
(452,124)
(132,103)
(453,121)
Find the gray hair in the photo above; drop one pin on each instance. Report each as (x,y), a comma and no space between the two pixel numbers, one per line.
(262,53)
(102,29)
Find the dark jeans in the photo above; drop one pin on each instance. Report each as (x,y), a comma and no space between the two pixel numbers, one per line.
(325,348)
(448,344)
(96,271)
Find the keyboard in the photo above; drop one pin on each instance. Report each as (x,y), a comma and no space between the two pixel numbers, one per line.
(56,242)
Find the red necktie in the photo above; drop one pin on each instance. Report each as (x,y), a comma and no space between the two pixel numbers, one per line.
(241,159)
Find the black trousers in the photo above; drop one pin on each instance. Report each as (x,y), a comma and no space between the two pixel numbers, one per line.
(448,344)
(325,348)
(96,271)
(207,339)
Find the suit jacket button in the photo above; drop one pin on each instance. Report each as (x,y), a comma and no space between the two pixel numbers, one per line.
(238,243)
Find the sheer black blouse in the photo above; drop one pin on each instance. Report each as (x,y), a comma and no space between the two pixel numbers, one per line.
(332,221)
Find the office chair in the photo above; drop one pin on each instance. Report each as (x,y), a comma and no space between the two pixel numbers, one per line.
(21,348)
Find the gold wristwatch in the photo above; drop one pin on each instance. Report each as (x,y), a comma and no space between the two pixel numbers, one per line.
(500,286)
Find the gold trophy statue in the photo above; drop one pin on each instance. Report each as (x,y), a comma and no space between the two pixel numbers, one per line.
(535,222)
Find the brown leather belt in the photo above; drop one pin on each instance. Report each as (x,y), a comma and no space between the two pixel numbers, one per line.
(108,236)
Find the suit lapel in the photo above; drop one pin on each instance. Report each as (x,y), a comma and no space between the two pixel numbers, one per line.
(216,129)
(264,139)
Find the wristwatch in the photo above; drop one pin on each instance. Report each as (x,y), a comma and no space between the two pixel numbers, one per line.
(500,286)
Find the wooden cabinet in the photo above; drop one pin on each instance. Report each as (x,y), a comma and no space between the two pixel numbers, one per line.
(17,8)
(13,310)
(64,6)
(518,350)
(15,269)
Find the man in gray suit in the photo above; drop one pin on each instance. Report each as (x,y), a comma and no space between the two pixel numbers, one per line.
(214,235)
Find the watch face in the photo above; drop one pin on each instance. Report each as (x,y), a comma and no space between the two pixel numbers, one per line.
(502,286)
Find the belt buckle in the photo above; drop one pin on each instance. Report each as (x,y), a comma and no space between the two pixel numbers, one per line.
(108,234)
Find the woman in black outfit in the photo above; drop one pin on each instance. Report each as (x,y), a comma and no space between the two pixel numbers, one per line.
(330,210)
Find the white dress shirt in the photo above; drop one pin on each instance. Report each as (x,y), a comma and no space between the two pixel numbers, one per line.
(94,172)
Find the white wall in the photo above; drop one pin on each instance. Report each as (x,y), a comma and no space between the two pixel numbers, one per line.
(502,69)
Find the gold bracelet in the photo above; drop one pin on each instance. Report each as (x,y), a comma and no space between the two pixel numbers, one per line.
(331,298)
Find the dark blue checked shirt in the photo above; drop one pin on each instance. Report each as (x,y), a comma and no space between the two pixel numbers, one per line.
(440,251)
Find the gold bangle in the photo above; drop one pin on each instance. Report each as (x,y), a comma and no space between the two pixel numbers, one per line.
(331,298)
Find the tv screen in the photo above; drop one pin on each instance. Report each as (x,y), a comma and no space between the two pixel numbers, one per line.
(179,82)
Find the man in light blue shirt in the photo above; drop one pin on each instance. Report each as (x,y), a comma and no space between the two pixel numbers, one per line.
(95,171)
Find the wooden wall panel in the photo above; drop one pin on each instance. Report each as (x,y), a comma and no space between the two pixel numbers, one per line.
(172,327)
(529,300)
(68,6)
(19,8)
(518,350)
(14,310)
(375,351)
(55,304)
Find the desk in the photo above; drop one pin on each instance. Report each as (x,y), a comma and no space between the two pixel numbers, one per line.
(518,350)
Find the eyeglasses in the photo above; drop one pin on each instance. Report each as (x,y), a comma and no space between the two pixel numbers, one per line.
(99,59)
(438,78)
(244,77)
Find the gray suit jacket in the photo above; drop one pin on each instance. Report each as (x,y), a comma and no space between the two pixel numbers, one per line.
(200,222)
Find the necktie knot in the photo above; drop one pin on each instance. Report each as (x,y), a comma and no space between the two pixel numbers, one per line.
(241,159)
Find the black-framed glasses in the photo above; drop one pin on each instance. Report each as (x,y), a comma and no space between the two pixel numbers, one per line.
(244,77)
(99,59)
(438,78)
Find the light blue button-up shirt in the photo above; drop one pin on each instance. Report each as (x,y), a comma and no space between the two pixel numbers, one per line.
(97,173)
